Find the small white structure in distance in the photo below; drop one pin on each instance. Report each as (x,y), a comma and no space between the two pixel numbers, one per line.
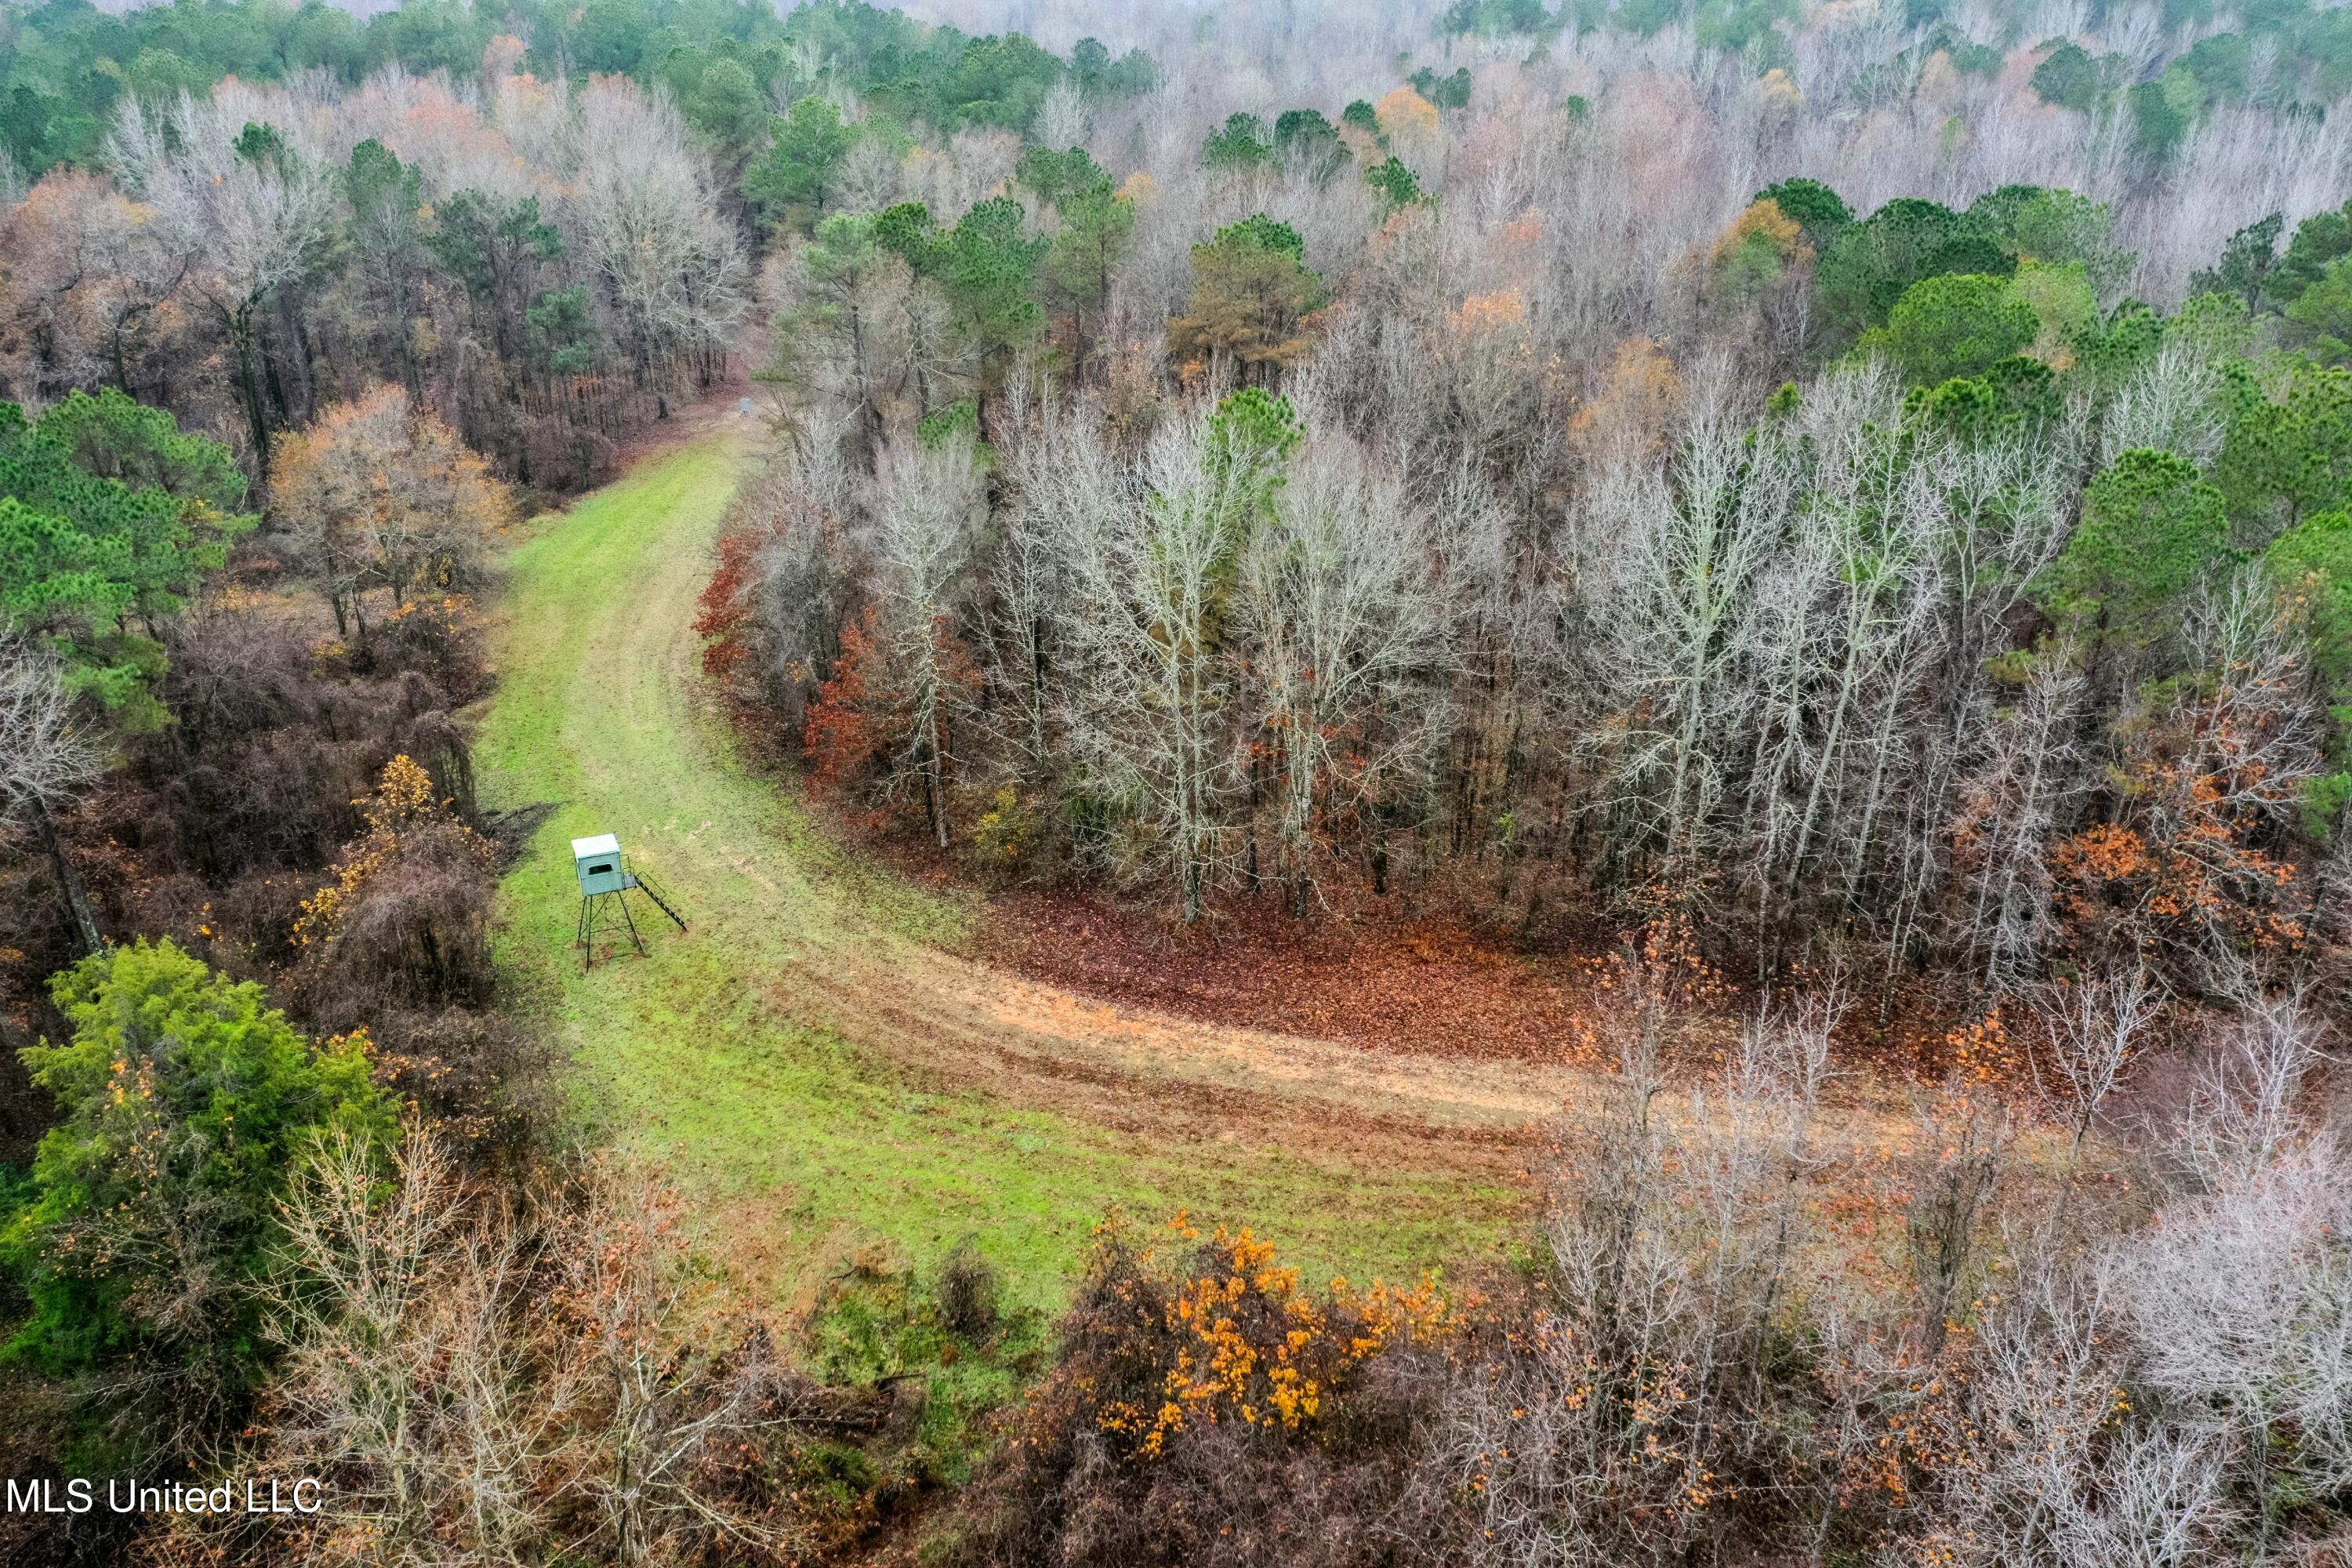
(605,884)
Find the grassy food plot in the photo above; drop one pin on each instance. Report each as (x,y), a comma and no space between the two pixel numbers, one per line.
(780,1060)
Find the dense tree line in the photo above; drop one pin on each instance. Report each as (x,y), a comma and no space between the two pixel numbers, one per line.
(2003,633)
(534,224)
(1970,660)
(72,67)
(543,269)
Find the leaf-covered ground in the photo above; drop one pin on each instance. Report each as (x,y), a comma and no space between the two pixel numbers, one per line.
(1376,983)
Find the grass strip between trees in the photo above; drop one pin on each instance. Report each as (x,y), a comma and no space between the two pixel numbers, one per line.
(717,1059)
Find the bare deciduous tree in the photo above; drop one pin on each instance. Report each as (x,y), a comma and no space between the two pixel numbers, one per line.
(246,194)
(496,1382)
(2095,1026)
(2008,811)
(922,539)
(1149,708)
(642,204)
(46,757)
(380,494)
(1667,562)
(2240,1303)
(1336,597)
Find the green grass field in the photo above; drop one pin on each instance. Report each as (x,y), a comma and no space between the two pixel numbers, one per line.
(715,1058)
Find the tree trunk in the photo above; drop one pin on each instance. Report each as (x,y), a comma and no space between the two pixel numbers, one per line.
(934,768)
(69,879)
(248,380)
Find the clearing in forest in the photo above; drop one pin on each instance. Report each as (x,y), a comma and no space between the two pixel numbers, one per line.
(817,1067)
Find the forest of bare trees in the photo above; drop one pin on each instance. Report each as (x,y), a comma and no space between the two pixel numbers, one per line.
(1527,591)
(250,256)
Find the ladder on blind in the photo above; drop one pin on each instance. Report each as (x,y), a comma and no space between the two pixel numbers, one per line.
(636,879)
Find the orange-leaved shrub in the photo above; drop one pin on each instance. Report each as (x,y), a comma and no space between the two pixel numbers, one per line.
(1207,1408)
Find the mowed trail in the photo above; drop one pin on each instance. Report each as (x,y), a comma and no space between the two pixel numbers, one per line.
(812,1060)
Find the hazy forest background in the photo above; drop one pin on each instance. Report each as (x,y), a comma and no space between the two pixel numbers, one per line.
(1757,592)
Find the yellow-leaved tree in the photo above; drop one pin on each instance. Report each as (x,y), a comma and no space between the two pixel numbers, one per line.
(404,923)
(380,495)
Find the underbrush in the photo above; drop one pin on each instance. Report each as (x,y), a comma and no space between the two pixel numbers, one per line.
(295,762)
